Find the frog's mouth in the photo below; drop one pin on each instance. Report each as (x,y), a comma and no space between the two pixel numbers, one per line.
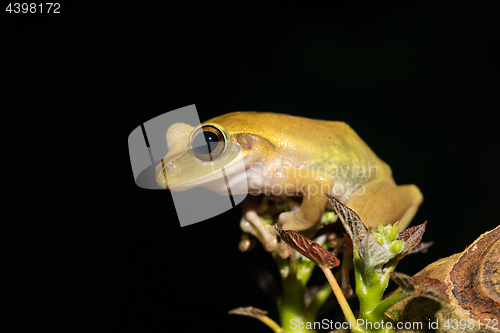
(161,174)
(217,178)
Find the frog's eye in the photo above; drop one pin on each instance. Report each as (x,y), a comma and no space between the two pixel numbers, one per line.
(208,142)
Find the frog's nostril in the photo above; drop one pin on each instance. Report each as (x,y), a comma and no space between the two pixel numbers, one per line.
(166,167)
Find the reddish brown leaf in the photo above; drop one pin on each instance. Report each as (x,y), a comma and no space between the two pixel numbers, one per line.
(412,236)
(422,247)
(351,221)
(421,286)
(308,248)
(431,288)
(249,311)
(403,280)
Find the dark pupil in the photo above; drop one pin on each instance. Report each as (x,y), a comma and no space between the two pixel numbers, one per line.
(205,142)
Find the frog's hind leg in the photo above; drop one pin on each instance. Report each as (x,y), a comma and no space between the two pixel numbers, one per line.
(381,200)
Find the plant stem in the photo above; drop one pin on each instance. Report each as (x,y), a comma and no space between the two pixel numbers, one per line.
(292,306)
(305,268)
(271,324)
(384,305)
(318,300)
(349,316)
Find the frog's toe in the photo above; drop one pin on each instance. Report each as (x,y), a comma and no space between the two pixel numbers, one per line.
(290,221)
(246,243)
(284,250)
(252,224)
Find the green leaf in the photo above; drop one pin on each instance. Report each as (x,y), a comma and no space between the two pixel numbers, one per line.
(373,254)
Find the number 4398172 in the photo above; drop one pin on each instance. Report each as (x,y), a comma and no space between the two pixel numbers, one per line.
(48,8)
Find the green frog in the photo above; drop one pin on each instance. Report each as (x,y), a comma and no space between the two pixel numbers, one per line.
(287,156)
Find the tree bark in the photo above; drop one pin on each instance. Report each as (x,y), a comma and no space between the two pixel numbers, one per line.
(473,286)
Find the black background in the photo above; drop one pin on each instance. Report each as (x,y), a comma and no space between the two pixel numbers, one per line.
(417,81)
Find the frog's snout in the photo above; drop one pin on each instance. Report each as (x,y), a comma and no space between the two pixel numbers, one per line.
(161,171)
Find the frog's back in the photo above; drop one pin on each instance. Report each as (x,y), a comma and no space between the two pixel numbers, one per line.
(309,143)
(280,128)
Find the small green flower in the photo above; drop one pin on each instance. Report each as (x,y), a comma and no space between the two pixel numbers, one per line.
(267,218)
(387,236)
(328,217)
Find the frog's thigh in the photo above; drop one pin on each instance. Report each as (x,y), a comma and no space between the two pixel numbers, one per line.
(384,201)
(313,185)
